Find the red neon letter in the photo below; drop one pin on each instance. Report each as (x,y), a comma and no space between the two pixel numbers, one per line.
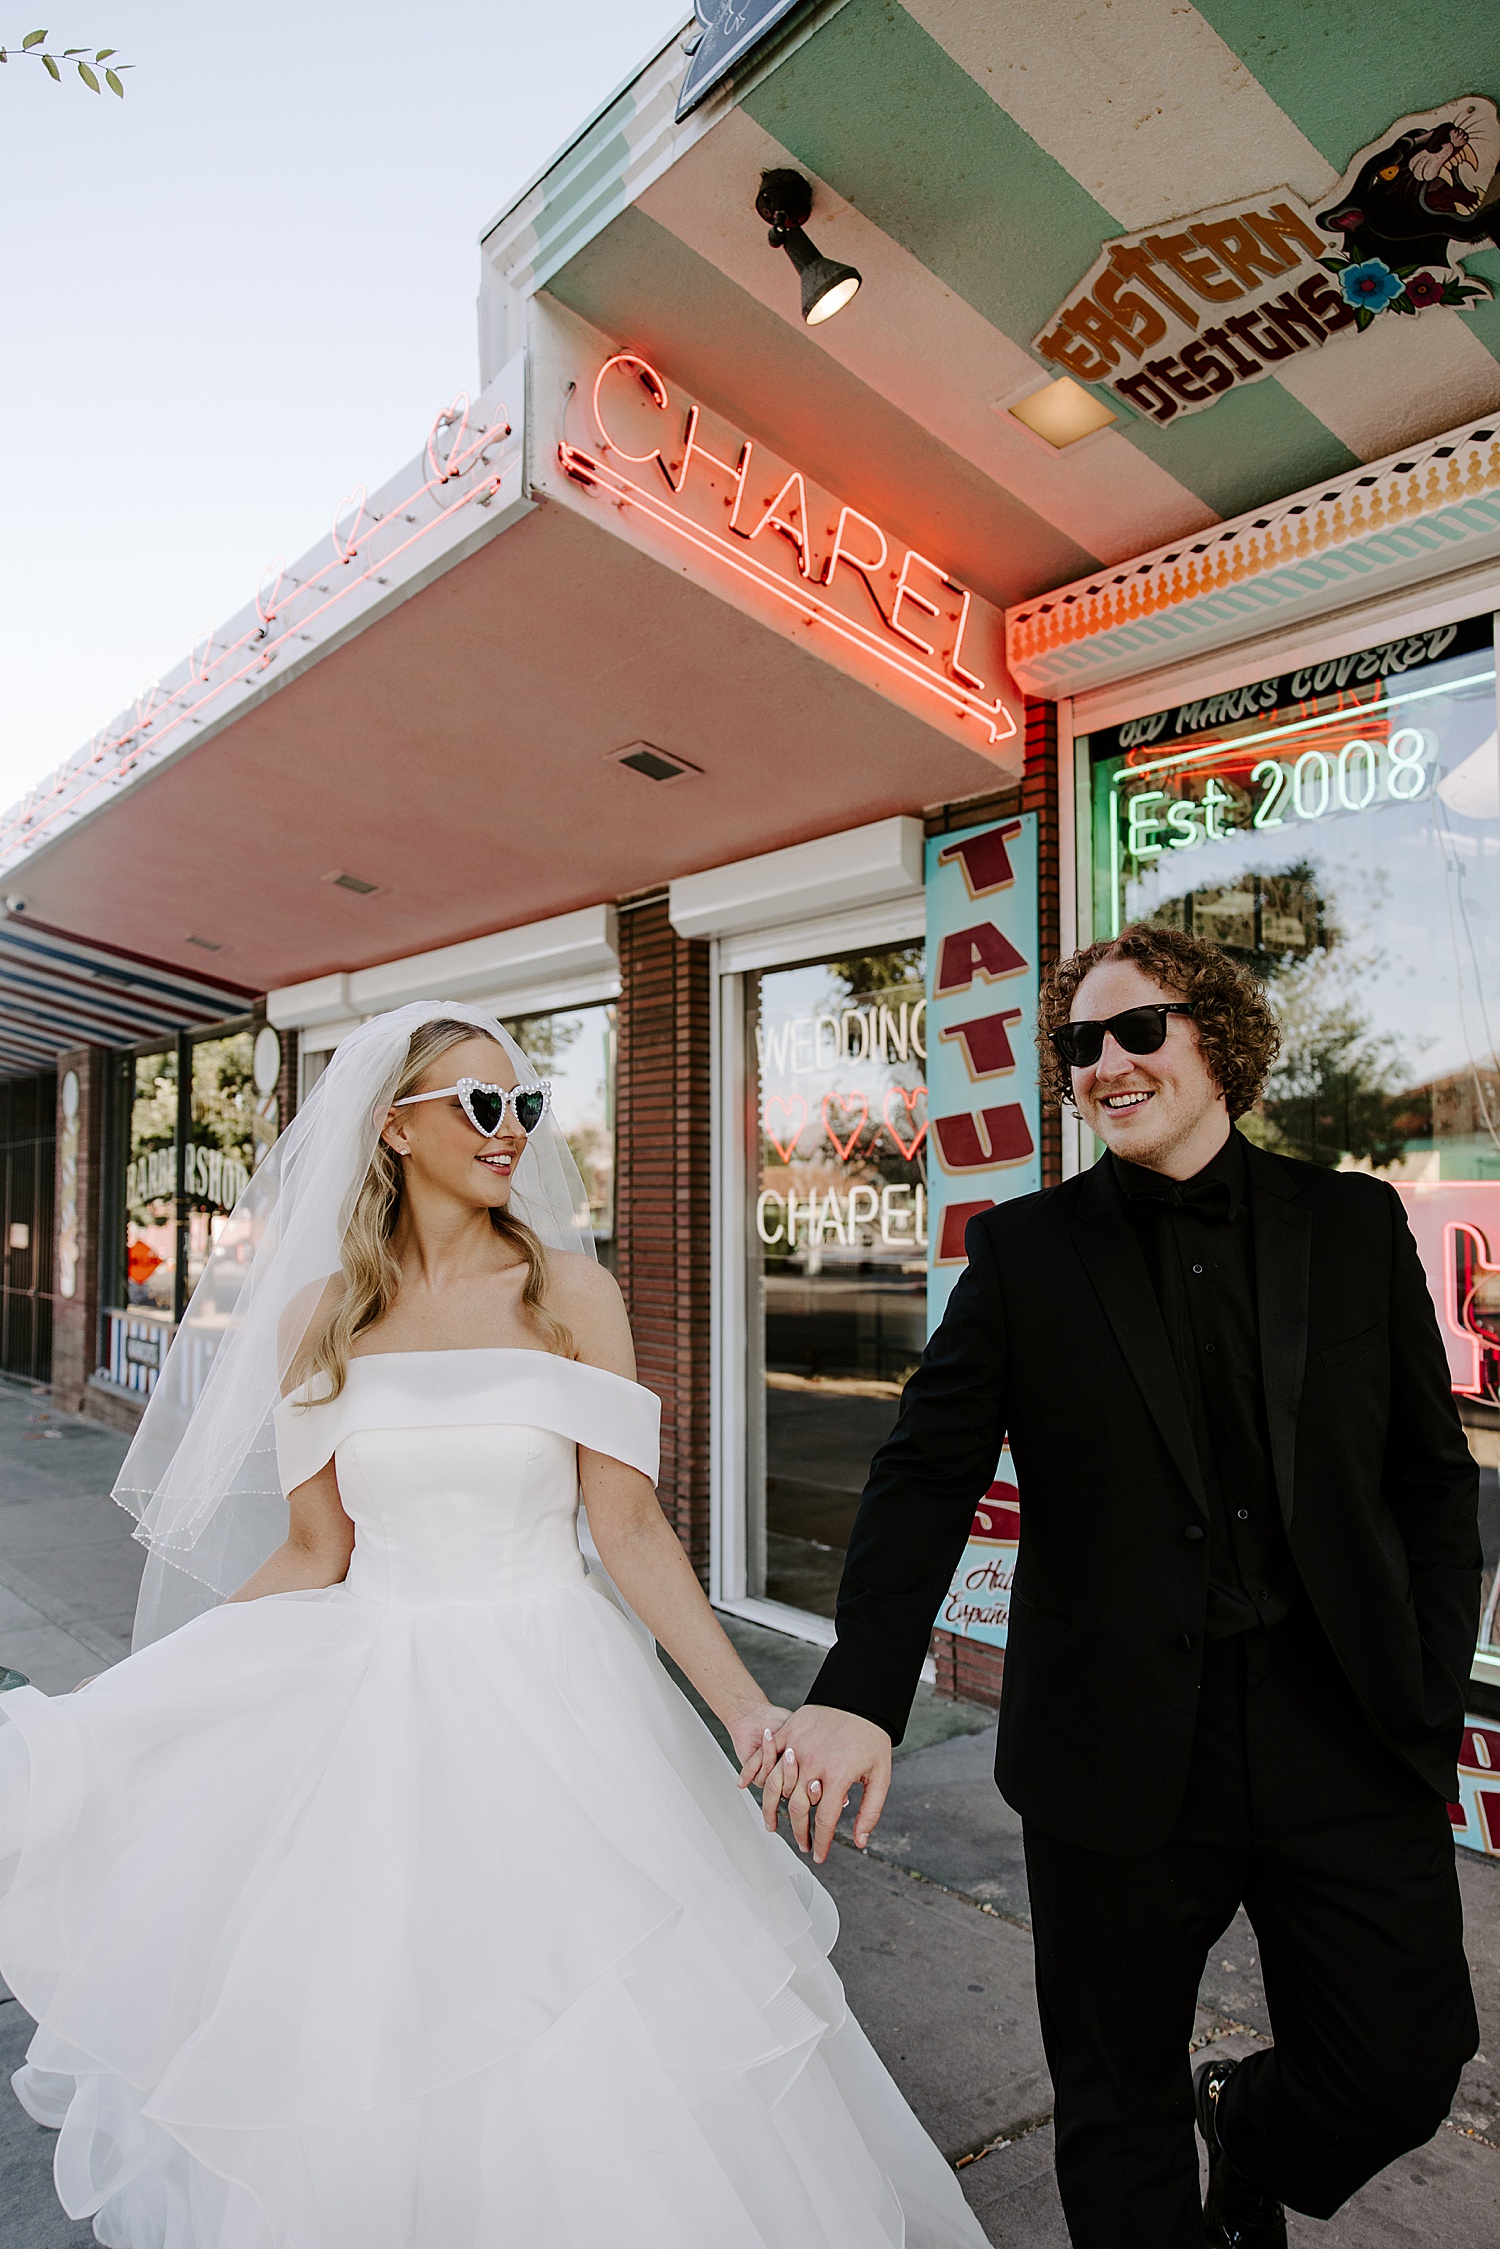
(983,858)
(907,592)
(863,564)
(784,524)
(986,1042)
(955,665)
(690,446)
(1004,1139)
(651,382)
(982,951)
(950,1248)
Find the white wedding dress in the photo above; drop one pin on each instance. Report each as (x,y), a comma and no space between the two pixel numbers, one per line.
(423,1912)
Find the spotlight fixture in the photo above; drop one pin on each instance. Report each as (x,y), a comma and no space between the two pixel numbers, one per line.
(785,203)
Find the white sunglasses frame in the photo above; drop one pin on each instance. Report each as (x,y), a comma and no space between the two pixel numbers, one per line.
(466,1087)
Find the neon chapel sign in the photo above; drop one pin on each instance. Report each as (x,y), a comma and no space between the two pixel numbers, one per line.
(880,599)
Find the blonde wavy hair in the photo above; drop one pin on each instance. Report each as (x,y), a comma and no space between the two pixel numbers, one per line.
(371,1274)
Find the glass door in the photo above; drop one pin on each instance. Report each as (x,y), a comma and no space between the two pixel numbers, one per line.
(837,1227)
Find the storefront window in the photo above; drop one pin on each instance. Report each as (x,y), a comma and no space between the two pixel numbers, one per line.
(178,1180)
(576,1050)
(151,1183)
(838,1231)
(220,1150)
(1338,828)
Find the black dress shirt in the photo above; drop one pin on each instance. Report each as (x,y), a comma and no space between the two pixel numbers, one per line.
(1199,1248)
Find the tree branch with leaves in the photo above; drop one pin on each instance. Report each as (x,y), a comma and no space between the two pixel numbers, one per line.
(34,48)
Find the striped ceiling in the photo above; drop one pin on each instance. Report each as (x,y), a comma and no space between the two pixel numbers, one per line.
(971,157)
(57,993)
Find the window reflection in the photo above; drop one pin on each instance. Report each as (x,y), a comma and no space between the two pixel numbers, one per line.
(576,1050)
(151,1184)
(1341,833)
(220,1149)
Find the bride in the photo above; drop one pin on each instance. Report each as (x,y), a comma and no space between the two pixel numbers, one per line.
(398,1900)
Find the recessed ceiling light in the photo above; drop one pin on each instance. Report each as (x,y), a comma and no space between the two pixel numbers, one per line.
(352,882)
(655,764)
(1062,412)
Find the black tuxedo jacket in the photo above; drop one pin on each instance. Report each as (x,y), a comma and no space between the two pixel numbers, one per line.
(1053,1336)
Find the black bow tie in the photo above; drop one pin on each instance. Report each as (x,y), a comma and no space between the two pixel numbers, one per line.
(1207,1198)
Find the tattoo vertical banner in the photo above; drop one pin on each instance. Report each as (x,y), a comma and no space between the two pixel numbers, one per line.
(983,944)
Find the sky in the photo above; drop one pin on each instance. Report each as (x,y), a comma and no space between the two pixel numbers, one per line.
(238,293)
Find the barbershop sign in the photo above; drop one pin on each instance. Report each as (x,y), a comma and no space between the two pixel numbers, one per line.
(1174,317)
(209,1175)
(693,491)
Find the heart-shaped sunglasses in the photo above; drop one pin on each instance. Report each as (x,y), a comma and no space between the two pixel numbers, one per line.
(485,1105)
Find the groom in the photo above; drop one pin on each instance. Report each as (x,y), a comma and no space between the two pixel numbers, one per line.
(1243,1617)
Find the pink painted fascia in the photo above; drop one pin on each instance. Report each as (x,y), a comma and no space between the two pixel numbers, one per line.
(458,755)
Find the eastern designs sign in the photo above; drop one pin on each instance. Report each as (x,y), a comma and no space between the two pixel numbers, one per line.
(1175,316)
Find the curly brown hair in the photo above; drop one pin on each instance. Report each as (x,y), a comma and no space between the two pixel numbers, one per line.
(1237,1031)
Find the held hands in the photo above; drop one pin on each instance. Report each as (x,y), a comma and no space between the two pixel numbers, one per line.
(823,1752)
(754,1737)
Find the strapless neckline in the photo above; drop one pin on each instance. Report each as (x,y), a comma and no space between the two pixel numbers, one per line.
(500,1351)
(476,1385)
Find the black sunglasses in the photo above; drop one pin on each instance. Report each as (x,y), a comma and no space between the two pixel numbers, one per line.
(1139,1030)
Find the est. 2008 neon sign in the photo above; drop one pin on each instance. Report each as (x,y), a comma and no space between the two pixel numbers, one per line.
(880,600)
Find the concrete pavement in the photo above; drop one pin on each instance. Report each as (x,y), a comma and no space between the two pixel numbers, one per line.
(934,1951)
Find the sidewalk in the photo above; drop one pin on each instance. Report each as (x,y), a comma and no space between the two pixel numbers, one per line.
(935,1951)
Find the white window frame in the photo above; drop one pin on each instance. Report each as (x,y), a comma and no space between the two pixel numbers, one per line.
(896,921)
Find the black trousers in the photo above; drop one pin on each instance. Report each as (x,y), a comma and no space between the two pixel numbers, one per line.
(1344,1862)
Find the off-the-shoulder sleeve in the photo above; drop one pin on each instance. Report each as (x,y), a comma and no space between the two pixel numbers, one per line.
(455,1389)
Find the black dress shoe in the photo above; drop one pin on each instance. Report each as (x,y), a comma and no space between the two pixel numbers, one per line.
(1237,2214)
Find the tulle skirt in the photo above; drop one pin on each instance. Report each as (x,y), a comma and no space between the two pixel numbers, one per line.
(350,1926)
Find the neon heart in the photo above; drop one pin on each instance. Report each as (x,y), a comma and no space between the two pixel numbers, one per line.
(444,465)
(199,667)
(785,1149)
(265,603)
(899,1092)
(344,543)
(843,1149)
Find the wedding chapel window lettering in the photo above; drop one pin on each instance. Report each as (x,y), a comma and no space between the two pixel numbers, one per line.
(1338,828)
(838,1062)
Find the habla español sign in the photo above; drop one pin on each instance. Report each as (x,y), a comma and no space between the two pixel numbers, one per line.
(1175,316)
(985,1122)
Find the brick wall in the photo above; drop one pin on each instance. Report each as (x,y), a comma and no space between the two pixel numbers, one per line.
(663,1132)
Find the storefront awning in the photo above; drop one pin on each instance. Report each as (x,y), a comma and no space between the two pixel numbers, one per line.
(533,672)
(57,993)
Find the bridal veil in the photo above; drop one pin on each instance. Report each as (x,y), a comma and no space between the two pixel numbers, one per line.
(201,1474)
